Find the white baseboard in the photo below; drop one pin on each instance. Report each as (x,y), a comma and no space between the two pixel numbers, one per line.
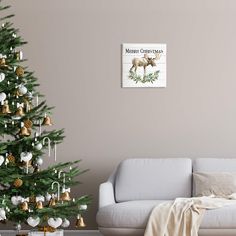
(67,233)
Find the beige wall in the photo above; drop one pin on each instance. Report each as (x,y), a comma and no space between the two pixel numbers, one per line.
(75,46)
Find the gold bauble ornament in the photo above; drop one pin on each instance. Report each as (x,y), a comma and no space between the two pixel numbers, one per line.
(24,206)
(28,123)
(19,71)
(18,183)
(47,121)
(11,158)
(65,196)
(24,132)
(20,111)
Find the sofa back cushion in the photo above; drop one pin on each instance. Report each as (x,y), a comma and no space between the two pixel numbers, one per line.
(214,165)
(150,179)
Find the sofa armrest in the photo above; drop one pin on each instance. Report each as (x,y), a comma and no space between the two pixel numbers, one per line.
(106,194)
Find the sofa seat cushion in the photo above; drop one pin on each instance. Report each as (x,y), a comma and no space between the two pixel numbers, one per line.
(131,214)
(135,214)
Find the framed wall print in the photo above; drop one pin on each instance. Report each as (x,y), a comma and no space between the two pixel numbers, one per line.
(143,65)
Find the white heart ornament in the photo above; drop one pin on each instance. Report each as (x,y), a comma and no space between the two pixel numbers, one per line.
(55,223)
(33,221)
(16,200)
(26,156)
(2,214)
(2,159)
(2,77)
(3,96)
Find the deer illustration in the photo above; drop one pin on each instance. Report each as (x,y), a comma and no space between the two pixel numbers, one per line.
(144,62)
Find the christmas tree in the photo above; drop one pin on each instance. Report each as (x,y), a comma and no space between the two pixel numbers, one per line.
(39,198)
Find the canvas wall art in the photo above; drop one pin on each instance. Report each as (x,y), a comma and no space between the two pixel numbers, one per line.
(143,65)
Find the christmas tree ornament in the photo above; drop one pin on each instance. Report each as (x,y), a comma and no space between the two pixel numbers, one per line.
(28,123)
(55,151)
(52,202)
(3,96)
(19,71)
(18,183)
(2,159)
(2,77)
(11,158)
(65,196)
(24,206)
(26,156)
(24,131)
(5,108)
(22,89)
(33,221)
(79,221)
(47,121)
(2,61)
(48,197)
(39,205)
(2,214)
(19,55)
(48,140)
(58,189)
(65,223)
(20,111)
(18,227)
(54,222)
(39,161)
(83,207)
(39,146)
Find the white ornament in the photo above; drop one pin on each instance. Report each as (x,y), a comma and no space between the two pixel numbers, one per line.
(2,159)
(66,223)
(40,198)
(16,200)
(55,223)
(26,156)
(39,146)
(48,197)
(20,55)
(2,214)
(83,207)
(2,77)
(39,161)
(3,96)
(22,89)
(33,221)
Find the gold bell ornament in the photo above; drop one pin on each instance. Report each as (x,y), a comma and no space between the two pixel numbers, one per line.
(80,222)
(24,131)
(11,158)
(5,108)
(39,205)
(47,121)
(2,61)
(65,196)
(24,206)
(20,111)
(52,202)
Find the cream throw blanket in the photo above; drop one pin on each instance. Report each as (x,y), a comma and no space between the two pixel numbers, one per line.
(183,216)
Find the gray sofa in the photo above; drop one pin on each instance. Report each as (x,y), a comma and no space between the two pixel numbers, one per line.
(129,195)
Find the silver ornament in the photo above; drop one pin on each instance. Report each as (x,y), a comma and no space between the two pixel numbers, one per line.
(18,227)
(39,161)
(22,89)
(65,223)
(39,146)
